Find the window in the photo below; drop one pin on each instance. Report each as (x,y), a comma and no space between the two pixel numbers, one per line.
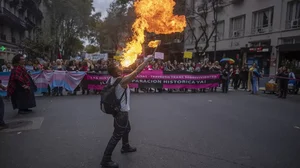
(237,26)
(293,15)
(1,29)
(220,30)
(262,21)
(297,39)
(287,41)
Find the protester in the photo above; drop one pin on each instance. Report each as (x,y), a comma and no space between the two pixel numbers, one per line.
(244,77)
(21,87)
(283,83)
(236,77)
(255,75)
(121,122)
(225,78)
(84,85)
(2,123)
(58,91)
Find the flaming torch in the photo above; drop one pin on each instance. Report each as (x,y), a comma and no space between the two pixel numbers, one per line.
(154,44)
(153,18)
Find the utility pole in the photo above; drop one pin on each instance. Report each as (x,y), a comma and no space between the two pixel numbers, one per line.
(216,33)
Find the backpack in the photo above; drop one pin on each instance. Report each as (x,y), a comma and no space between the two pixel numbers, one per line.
(109,103)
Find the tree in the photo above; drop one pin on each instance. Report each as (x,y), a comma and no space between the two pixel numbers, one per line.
(91,49)
(73,45)
(97,34)
(69,20)
(199,15)
(116,27)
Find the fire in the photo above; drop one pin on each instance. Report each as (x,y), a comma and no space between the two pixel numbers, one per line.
(154,16)
(154,44)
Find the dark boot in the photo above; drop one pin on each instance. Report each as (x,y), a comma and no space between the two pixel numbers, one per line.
(108,163)
(128,149)
(24,111)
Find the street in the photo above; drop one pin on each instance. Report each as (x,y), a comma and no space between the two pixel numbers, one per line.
(170,130)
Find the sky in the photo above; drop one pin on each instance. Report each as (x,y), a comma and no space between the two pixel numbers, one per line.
(101,6)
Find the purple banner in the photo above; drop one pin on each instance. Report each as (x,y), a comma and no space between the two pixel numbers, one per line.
(161,79)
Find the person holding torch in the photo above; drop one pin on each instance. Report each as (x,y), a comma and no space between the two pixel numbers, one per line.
(121,122)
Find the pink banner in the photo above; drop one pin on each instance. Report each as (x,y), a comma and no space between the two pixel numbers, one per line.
(160,79)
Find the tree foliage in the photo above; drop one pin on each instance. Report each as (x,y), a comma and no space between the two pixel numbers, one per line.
(199,16)
(91,49)
(112,32)
(69,21)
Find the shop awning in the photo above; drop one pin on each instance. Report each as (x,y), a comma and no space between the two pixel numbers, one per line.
(288,47)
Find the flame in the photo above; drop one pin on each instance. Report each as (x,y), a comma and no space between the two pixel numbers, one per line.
(154,18)
(154,44)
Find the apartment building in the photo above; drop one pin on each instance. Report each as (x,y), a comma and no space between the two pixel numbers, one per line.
(263,32)
(19,19)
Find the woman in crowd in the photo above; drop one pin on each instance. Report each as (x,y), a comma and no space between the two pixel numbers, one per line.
(57,91)
(236,77)
(283,75)
(249,84)
(255,75)
(225,79)
(21,87)
(244,77)
(84,84)
(215,68)
(2,123)
(72,67)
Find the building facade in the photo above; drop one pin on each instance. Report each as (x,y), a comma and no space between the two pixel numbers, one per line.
(19,19)
(263,32)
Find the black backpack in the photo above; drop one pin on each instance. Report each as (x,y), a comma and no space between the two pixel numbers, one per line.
(109,103)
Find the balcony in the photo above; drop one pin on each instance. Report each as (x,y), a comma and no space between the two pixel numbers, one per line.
(11,18)
(261,29)
(29,23)
(13,40)
(3,37)
(293,24)
(33,7)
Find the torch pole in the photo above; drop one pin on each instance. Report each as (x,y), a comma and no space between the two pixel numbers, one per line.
(154,51)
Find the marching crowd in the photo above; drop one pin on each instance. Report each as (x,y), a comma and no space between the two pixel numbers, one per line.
(231,75)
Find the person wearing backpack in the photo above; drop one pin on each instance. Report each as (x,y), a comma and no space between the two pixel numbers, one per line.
(115,100)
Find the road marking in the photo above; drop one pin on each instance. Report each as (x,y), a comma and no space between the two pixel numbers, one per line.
(296,127)
(24,124)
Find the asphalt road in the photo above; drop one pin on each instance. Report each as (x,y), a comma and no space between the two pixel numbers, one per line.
(211,130)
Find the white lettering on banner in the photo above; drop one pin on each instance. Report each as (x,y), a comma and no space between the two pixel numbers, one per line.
(184,82)
(147,81)
(179,77)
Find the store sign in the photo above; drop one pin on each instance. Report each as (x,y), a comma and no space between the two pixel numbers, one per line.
(259,49)
(2,48)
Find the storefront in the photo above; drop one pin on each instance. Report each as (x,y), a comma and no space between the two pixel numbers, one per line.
(7,52)
(289,56)
(261,56)
(233,54)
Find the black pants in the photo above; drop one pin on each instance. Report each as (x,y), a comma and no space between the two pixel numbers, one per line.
(121,131)
(1,111)
(236,81)
(225,85)
(244,84)
(283,88)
